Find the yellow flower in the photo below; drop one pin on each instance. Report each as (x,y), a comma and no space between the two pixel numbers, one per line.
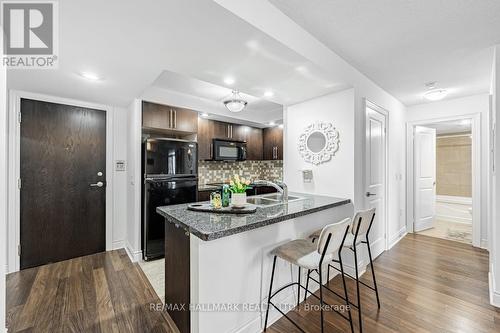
(231,183)
(243,180)
(247,182)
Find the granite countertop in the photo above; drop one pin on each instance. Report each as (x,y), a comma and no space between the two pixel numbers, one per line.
(210,226)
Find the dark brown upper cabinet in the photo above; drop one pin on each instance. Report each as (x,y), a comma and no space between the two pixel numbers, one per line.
(253,137)
(168,118)
(211,129)
(273,143)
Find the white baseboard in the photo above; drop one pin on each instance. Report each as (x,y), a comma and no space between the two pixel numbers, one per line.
(134,255)
(118,244)
(396,238)
(494,295)
(484,244)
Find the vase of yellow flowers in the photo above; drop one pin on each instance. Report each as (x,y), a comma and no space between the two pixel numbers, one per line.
(238,187)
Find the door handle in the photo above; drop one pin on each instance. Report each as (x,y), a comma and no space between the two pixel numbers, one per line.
(368,194)
(98,184)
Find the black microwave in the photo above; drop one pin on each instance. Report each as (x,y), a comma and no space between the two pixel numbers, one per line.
(225,150)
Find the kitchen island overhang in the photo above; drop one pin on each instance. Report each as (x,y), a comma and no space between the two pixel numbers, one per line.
(222,262)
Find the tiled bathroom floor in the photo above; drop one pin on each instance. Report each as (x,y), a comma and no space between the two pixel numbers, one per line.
(460,232)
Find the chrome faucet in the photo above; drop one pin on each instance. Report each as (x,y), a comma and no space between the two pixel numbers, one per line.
(280,186)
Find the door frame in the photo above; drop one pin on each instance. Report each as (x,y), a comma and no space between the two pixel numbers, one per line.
(476,171)
(385,114)
(14,160)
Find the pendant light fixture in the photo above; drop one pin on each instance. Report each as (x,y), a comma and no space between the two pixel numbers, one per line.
(235,103)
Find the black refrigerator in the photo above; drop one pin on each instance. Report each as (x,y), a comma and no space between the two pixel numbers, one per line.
(170,169)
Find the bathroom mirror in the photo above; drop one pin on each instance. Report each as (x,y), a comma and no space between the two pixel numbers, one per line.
(316,142)
(319,142)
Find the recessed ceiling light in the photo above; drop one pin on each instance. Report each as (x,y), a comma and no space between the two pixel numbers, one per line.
(229,80)
(269,93)
(281,126)
(272,123)
(90,76)
(435,94)
(204,115)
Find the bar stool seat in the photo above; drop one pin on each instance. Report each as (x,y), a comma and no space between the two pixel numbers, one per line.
(359,232)
(349,239)
(301,252)
(313,257)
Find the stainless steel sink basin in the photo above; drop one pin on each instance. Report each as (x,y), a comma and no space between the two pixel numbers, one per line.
(277,196)
(260,201)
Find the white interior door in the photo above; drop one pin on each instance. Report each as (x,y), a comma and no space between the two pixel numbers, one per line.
(425,177)
(376,176)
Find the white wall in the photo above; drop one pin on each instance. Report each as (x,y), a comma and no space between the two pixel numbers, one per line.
(263,15)
(3,188)
(494,227)
(134,183)
(459,107)
(120,138)
(336,177)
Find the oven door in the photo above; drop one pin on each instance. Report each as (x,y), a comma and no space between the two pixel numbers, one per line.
(229,150)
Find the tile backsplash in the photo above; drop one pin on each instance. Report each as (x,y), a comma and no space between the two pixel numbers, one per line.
(221,171)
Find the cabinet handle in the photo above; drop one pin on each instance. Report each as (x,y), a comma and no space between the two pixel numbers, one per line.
(211,151)
(175,118)
(170,122)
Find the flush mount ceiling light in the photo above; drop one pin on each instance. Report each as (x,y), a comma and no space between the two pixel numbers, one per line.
(433,93)
(272,123)
(229,81)
(235,103)
(90,76)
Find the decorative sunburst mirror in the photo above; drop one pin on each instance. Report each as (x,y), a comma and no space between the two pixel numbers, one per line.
(319,142)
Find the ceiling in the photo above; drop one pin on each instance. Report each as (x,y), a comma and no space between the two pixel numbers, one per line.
(452,127)
(211,97)
(130,43)
(401,45)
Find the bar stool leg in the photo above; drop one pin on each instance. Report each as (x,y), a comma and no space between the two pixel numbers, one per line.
(298,288)
(357,289)
(307,284)
(373,271)
(270,292)
(321,295)
(345,293)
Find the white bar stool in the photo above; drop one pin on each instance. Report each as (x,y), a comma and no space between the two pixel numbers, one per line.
(304,254)
(360,229)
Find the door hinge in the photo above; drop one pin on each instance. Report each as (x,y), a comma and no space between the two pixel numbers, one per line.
(19,250)
(19,117)
(19,184)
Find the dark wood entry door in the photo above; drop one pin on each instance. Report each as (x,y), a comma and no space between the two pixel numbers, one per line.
(63,153)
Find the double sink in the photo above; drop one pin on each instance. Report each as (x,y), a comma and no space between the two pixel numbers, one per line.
(269,199)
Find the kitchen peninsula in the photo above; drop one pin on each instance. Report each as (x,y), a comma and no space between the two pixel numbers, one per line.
(222,263)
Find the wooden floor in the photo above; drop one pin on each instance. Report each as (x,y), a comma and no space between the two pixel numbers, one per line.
(426,285)
(104,292)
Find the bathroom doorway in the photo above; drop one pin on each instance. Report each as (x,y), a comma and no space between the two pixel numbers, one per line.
(445,179)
